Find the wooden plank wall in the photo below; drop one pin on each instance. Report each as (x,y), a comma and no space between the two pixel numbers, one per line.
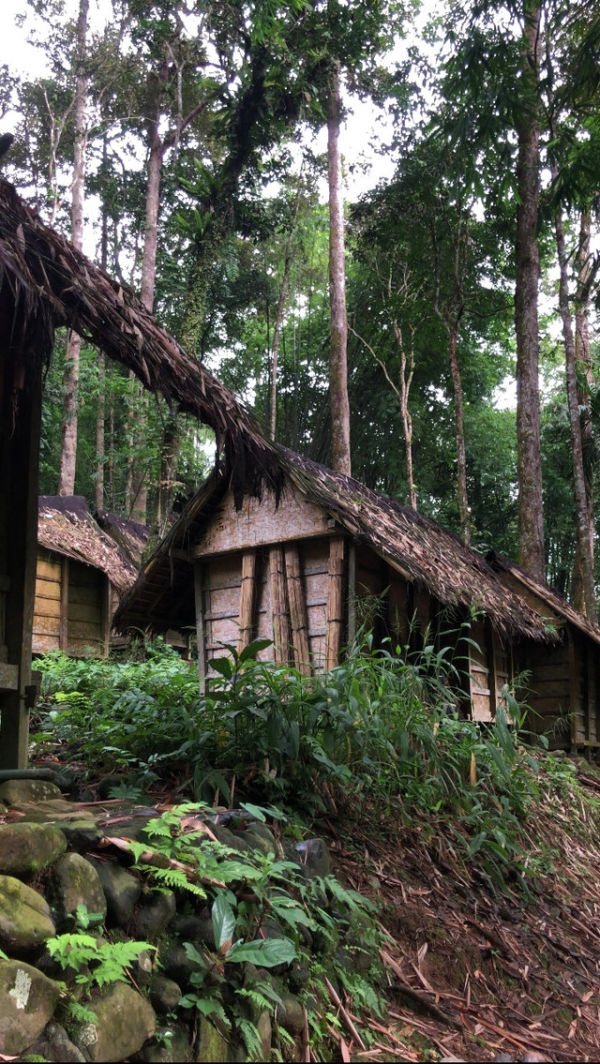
(550,692)
(291,593)
(47,606)
(87,611)
(71,609)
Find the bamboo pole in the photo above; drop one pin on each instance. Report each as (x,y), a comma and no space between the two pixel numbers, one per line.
(298,614)
(335,601)
(247,599)
(63,637)
(279,611)
(200,626)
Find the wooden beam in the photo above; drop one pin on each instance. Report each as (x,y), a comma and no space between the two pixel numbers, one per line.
(335,601)
(63,637)
(574,700)
(247,599)
(20,422)
(298,614)
(200,626)
(490,640)
(351,619)
(279,609)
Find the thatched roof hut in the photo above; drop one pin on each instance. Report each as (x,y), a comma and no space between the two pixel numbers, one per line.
(299,567)
(45,283)
(66,527)
(80,575)
(413,545)
(563,689)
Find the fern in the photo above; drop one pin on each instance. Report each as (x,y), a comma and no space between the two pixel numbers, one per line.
(251,1038)
(108,961)
(176,879)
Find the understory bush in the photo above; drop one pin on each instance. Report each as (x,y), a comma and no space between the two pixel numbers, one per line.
(382,726)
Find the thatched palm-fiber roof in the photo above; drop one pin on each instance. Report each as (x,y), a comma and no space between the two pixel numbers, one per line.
(417,547)
(131,536)
(45,283)
(558,609)
(66,527)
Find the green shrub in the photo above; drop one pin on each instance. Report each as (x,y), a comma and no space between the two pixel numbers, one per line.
(383,725)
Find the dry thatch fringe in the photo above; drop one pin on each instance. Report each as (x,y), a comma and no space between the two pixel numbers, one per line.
(66,527)
(414,545)
(45,282)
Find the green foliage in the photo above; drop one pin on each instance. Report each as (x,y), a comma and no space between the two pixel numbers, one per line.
(384,725)
(250,895)
(97,963)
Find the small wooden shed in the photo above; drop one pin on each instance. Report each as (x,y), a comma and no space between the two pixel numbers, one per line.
(561,685)
(313,557)
(80,575)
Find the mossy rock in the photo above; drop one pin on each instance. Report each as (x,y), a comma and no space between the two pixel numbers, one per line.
(17,792)
(26,849)
(25,921)
(76,882)
(124,1022)
(27,1001)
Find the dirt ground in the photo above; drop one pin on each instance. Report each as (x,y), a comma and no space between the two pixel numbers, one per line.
(474,974)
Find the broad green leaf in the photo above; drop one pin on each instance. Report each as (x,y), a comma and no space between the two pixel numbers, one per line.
(250,652)
(265,953)
(223,922)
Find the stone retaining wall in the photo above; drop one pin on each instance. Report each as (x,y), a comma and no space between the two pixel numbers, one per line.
(55,861)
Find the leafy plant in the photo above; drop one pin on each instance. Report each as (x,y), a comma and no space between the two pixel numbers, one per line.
(97,963)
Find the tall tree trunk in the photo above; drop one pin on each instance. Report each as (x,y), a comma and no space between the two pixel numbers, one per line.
(68,457)
(101,400)
(585,277)
(338,365)
(451,314)
(279,319)
(100,440)
(529,466)
(464,515)
(585,550)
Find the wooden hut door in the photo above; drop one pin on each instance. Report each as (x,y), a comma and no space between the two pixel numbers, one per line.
(481,676)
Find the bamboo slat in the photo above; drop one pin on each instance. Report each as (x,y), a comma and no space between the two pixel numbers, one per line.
(200,632)
(279,612)
(335,601)
(64,606)
(298,615)
(247,599)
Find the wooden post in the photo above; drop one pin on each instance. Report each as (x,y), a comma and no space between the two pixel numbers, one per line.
(298,615)
(351,630)
(573,689)
(492,667)
(63,631)
(106,615)
(247,599)
(279,612)
(200,626)
(335,601)
(20,420)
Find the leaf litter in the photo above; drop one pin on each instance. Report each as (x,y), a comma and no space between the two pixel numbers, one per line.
(473,972)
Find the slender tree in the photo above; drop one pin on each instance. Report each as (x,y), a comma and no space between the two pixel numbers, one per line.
(531,520)
(338,360)
(66,481)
